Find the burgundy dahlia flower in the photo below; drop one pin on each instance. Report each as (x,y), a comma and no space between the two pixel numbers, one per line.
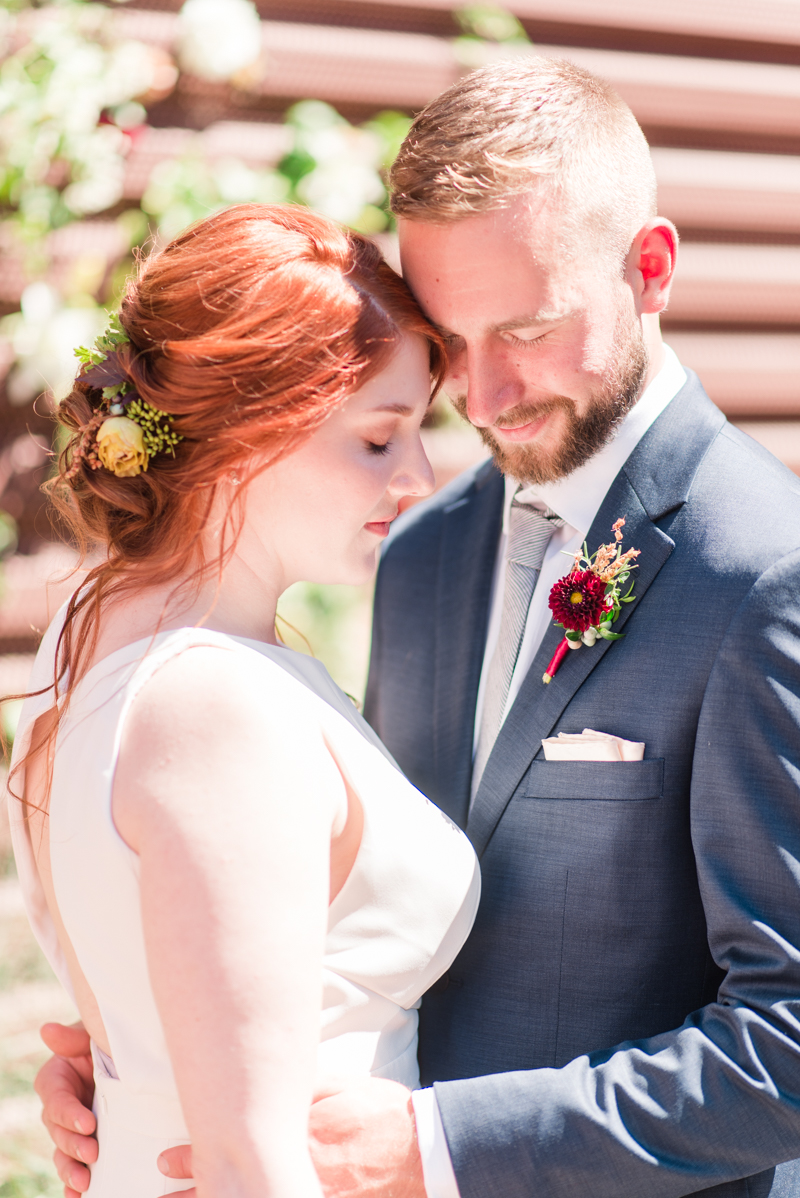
(578,601)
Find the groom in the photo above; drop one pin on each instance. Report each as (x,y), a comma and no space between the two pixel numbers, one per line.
(625,1017)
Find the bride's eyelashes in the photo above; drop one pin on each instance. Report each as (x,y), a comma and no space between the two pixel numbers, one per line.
(378,449)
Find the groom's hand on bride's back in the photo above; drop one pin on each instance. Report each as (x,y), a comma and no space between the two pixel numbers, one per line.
(363,1136)
(363,1142)
(65,1085)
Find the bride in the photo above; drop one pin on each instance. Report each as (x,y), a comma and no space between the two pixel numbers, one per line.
(219,858)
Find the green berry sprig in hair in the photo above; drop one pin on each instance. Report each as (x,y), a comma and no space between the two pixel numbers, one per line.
(127,431)
(157,431)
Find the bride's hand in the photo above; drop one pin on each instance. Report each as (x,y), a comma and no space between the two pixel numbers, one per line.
(65,1085)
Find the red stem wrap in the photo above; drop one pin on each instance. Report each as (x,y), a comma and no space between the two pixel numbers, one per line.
(557,658)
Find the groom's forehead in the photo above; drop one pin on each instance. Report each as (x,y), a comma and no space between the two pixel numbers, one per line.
(471,271)
(517,244)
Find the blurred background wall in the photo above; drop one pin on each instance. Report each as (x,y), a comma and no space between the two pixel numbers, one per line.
(122,122)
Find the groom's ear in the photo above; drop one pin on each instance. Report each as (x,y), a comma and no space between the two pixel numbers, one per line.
(650,265)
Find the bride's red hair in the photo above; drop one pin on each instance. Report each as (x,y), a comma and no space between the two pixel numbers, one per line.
(249,328)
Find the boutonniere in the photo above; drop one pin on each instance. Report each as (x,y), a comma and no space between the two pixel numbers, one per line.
(587,601)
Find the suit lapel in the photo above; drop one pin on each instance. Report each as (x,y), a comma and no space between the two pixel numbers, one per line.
(538,707)
(643,491)
(470,531)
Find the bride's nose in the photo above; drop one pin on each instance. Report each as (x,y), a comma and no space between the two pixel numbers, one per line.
(414,475)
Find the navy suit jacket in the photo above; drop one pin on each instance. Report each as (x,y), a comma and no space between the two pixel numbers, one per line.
(624,1019)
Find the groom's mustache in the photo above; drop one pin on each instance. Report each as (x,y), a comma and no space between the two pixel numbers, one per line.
(520,415)
(528,413)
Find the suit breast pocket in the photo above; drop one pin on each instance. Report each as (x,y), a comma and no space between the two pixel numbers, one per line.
(604,781)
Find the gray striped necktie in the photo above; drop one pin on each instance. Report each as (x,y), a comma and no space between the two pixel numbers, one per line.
(529,531)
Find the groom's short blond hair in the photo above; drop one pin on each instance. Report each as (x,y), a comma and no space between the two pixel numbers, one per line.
(522,125)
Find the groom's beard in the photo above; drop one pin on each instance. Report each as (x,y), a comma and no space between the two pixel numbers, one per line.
(584,435)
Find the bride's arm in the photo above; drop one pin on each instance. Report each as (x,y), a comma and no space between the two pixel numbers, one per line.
(230,800)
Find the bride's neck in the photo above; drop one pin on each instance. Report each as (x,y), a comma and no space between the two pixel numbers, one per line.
(242,603)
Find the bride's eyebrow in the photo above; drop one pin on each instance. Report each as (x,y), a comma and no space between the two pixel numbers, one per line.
(400,408)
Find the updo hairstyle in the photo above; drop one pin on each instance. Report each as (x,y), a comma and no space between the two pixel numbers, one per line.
(249,330)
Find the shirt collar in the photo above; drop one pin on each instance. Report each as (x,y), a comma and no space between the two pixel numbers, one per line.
(577,498)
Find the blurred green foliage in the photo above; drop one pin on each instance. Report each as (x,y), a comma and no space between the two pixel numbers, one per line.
(332,166)
(490,23)
(489,31)
(333,624)
(31,1185)
(65,100)
(73,94)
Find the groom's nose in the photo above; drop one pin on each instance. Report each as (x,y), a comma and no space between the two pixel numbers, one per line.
(492,386)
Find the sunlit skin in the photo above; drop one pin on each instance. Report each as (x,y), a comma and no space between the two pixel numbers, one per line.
(527,321)
(321,513)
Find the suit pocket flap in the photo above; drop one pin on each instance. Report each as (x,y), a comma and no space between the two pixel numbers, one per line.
(601,780)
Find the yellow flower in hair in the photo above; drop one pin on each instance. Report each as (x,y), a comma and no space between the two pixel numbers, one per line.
(120,446)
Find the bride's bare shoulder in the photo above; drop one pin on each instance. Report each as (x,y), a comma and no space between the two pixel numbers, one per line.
(205,682)
(215,720)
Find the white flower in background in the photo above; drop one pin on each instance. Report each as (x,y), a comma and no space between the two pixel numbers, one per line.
(218,38)
(53,91)
(182,190)
(43,337)
(238,183)
(101,171)
(131,70)
(342,189)
(345,179)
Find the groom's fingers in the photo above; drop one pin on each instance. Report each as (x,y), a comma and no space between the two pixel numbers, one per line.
(176,1162)
(75,1177)
(65,1087)
(66,1041)
(77,1148)
(62,1091)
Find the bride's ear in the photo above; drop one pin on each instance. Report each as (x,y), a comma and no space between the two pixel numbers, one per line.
(651,265)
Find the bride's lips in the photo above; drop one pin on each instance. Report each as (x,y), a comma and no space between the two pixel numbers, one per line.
(523,432)
(380,527)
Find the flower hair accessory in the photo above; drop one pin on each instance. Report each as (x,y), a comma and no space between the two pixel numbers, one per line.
(587,601)
(126,431)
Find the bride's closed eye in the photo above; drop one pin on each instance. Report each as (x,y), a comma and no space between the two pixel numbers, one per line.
(378,449)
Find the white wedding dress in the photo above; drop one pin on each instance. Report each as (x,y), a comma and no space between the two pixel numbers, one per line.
(395,927)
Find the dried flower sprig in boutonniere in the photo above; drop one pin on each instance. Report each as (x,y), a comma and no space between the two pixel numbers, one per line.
(587,601)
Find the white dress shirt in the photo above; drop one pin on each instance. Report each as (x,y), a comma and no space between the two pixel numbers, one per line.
(577,500)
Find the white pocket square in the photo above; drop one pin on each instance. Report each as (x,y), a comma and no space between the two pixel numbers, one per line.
(591,746)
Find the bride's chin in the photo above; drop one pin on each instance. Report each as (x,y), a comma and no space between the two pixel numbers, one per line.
(349,574)
(363,572)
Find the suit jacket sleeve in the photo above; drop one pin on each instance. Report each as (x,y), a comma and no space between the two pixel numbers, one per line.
(719,1097)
